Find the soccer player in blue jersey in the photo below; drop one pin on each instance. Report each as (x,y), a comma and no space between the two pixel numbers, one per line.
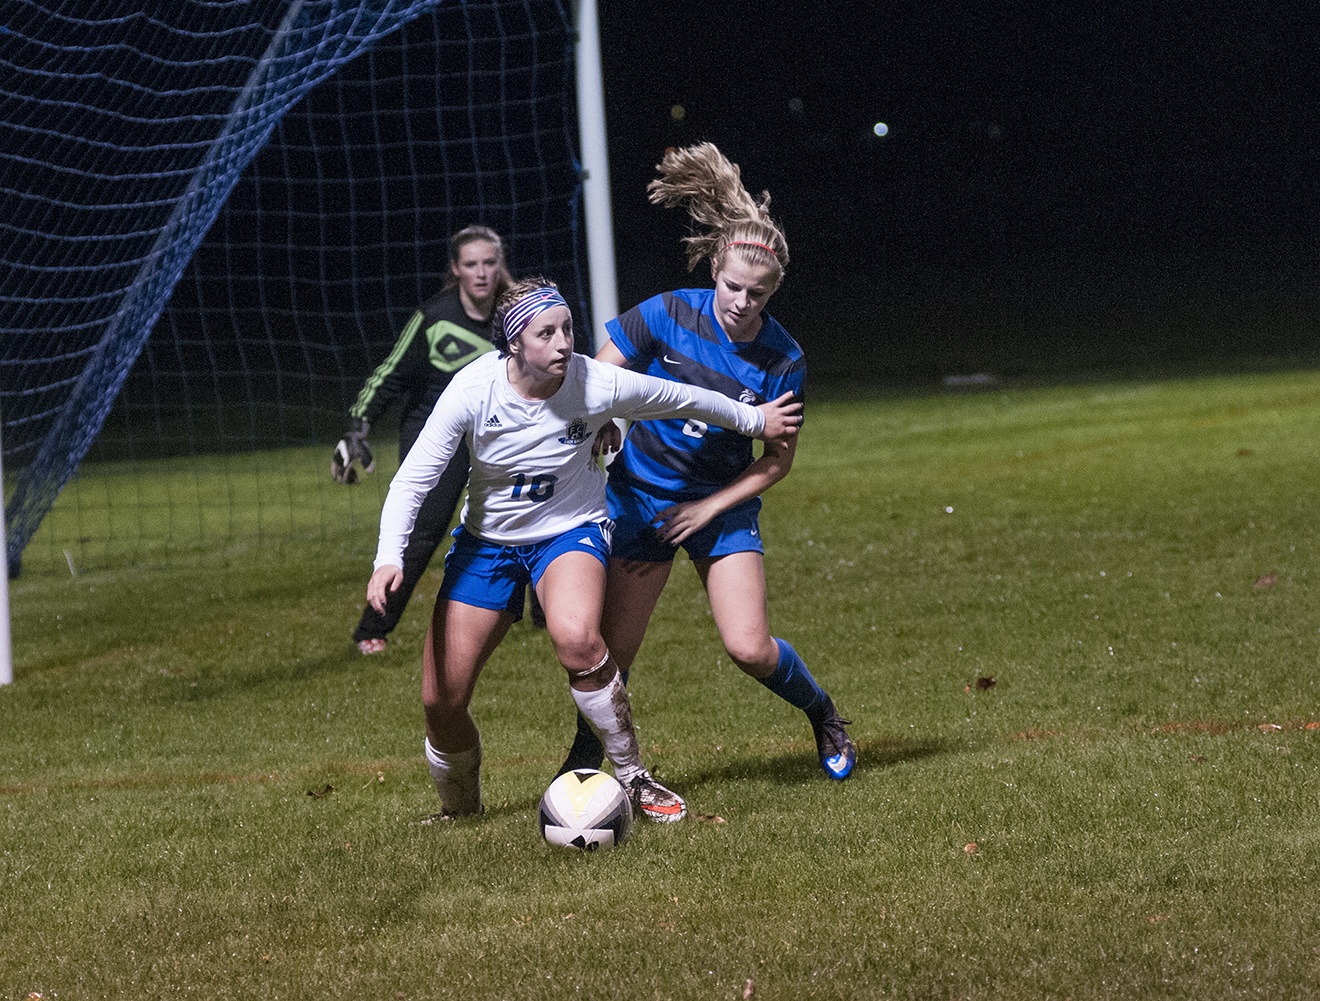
(684,483)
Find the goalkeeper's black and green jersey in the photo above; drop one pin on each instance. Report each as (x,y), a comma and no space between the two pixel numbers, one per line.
(438,340)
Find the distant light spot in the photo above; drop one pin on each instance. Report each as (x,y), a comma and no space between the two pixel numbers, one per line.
(678,112)
(881,129)
(795,105)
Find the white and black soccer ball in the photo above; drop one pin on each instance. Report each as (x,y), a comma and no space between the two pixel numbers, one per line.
(585,809)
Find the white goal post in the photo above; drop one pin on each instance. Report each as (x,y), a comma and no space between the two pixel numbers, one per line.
(595,172)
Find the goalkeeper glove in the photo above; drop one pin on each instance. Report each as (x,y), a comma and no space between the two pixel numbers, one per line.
(351,450)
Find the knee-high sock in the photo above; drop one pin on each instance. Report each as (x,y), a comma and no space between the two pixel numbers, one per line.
(609,714)
(793,683)
(585,739)
(457,777)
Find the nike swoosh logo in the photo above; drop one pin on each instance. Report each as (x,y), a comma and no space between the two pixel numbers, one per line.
(663,810)
(670,361)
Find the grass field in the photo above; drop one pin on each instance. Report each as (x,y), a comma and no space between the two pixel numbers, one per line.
(1076,628)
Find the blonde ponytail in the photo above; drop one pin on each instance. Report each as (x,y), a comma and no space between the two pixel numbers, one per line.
(726,218)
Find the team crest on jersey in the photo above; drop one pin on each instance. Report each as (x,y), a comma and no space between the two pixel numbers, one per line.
(748,397)
(575,433)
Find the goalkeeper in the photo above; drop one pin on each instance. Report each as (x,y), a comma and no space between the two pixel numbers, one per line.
(448,331)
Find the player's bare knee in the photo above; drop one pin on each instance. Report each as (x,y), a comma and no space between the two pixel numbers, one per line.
(754,658)
(441,709)
(579,650)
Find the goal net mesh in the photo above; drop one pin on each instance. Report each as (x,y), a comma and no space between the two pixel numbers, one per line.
(214,218)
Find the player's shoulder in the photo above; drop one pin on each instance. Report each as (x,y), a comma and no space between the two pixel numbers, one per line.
(474,387)
(774,352)
(585,369)
(681,305)
(602,383)
(698,297)
(684,313)
(775,336)
(687,306)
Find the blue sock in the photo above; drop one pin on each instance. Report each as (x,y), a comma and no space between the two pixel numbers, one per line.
(793,683)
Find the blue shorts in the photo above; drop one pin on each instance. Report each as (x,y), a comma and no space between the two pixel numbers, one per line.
(635,537)
(489,575)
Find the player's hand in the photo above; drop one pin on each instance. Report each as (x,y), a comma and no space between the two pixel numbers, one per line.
(608,439)
(383,583)
(351,451)
(783,417)
(677,523)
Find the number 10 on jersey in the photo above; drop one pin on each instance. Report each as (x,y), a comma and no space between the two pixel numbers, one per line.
(538,488)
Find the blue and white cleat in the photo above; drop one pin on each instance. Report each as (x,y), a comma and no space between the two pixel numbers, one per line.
(838,754)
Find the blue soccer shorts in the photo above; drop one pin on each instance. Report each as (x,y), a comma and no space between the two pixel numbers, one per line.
(633,512)
(489,575)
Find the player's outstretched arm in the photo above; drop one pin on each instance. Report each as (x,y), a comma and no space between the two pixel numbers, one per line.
(384,582)
(783,417)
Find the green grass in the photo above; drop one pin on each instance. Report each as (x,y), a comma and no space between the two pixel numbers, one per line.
(207,792)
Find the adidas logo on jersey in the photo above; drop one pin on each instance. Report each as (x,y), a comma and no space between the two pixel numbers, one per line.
(493,422)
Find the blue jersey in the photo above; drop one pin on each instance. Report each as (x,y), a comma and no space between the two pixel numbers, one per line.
(675,336)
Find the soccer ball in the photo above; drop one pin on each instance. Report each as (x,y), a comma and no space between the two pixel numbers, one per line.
(585,809)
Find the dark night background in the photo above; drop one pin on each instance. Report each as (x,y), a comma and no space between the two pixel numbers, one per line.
(1061,188)
(1061,192)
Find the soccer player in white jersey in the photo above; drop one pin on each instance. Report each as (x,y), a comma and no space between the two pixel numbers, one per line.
(535,512)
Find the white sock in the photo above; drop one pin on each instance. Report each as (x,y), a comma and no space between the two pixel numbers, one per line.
(610,715)
(457,776)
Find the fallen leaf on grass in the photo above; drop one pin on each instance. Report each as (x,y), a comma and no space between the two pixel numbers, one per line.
(1269,727)
(984,682)
(971,848)
(710,818)
(1266,580)
(1196,759)
(1157,918)
(749,991)
(321,793)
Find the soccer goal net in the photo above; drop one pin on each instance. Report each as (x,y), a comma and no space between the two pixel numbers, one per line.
(214,218)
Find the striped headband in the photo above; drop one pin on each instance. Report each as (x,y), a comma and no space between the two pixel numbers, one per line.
(526,309)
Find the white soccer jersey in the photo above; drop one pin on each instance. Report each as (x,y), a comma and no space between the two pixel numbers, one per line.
(533,476)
